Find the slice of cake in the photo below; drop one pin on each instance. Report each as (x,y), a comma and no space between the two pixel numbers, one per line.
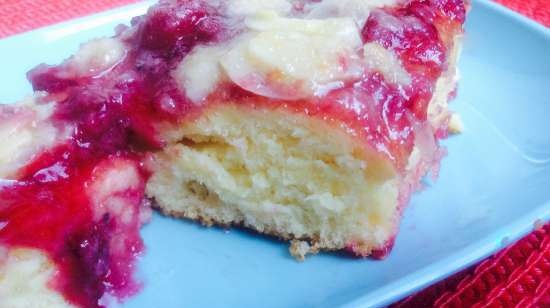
(311,121)
(317,119)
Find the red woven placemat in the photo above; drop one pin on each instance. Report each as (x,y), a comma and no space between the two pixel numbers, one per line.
(538,10)
(518,276)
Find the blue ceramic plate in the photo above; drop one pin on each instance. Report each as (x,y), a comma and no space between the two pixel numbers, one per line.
(494,185)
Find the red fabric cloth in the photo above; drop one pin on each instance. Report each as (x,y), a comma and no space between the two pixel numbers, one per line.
(538,10)
(518,276)
(18,16)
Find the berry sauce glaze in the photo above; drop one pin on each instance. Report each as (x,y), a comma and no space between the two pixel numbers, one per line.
(115,115)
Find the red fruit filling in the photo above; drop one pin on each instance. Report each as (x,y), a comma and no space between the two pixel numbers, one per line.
(50,209)
(50,206)
(115,114)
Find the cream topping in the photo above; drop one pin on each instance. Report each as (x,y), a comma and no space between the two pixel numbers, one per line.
(199,72)
(25,277)
(290,58)
(97,55)
(380,59)
(358,9)
(25,131)
(251,7)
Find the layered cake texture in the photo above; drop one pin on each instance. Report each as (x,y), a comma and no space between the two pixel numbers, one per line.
(310,121)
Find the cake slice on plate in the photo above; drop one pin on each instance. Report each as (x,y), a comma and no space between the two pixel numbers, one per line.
(311,121)
(316,121)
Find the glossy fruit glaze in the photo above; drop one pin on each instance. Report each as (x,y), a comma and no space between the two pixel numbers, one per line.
(115,116)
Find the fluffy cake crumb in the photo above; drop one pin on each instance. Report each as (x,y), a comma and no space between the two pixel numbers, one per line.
(279,173)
